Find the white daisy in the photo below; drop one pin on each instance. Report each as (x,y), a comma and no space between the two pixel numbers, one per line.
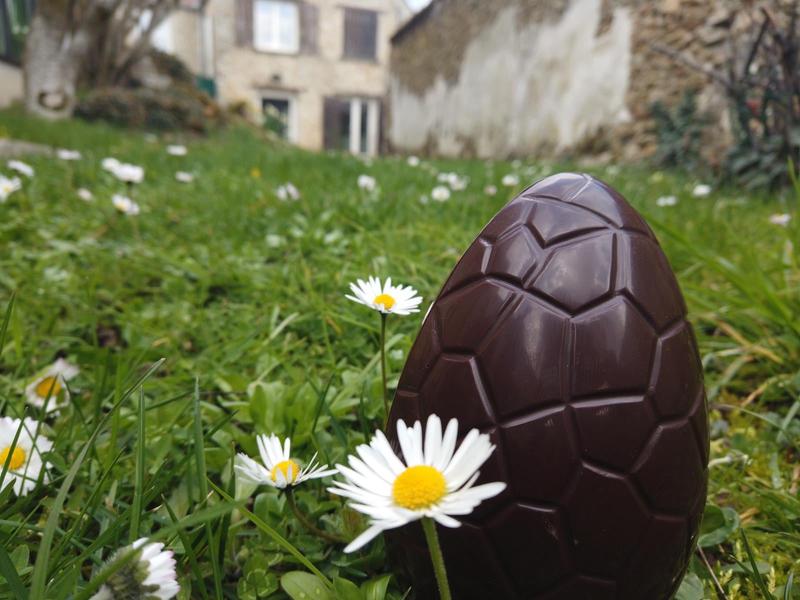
(65,154)
(278,469)
(386,298)
(274,240)
(367,183)
(85,195)
(110,164)
(176,150)
(25,464)
(184,177)
(440,193)
(701,190)
(8,187)
(125,205)
(510,180)
(412,161)
(490,190)
(55,275)
(50,387)
(456,182)
(150,574)
(21,167)
(287,192)
(666,201)
(781,220)
(128,173)
(435,481)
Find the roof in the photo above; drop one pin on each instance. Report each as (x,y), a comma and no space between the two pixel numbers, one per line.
(414,21)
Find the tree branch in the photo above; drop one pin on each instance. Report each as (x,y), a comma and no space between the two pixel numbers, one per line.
(691,64)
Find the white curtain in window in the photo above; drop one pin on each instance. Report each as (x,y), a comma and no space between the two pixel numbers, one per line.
(276,26)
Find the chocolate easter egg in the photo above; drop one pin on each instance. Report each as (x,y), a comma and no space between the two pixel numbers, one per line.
(562,333)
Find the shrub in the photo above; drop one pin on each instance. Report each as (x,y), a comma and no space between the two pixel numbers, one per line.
(179,107)
(171,66)
(679,133)
(762,84)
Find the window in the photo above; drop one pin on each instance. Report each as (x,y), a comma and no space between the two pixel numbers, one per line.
(279,108)
(15,17)
(352,125)
(276,26)
(276,116)
(360,34)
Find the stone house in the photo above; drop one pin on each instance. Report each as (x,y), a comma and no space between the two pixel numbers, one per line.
(315,71)
(496,78)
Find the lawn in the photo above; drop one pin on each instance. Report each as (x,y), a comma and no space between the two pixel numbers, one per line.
(219,312)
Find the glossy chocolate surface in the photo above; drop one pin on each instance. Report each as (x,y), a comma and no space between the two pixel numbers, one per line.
(562,333)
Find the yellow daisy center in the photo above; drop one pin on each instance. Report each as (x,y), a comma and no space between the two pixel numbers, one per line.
(44,387)
(386,300)
(17,458)
(288,468)
(419,487)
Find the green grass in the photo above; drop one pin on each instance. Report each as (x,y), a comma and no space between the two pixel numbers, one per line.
(243,295)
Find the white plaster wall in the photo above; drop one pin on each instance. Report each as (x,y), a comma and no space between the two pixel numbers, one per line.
(521,89)
(10,84)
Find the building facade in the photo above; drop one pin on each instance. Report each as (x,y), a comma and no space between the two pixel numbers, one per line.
(316,72)
(313,71)
(499,78)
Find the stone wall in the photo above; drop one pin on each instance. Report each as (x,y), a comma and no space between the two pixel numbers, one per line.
(695,28)
(522,77)
(10,84)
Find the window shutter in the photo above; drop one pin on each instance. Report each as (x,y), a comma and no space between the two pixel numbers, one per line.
(244,22)
(309,28)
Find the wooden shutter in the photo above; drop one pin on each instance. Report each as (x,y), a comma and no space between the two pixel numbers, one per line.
(360,33)
(244,22)
(309,28)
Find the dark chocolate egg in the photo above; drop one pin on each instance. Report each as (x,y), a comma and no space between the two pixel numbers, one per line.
(562,333)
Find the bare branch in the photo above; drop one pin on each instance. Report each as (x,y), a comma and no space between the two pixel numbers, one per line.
(689,62)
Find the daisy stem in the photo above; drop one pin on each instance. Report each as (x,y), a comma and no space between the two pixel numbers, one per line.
(429,527)
(308,524)
(383,370)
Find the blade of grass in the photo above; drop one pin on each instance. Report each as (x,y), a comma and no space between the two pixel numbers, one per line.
(202,477)
(10,454)
(276,537)
(6,320)
(82,523)
(136,507)
(11,576)
(225,522)
(759,580)
(188,548)
(40,567)
(197,518)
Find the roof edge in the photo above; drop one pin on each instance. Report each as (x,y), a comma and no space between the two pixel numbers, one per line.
(413,22)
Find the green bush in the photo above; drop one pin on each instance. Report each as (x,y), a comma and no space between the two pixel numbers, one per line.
(178,108)
(679,133)
(172,66)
